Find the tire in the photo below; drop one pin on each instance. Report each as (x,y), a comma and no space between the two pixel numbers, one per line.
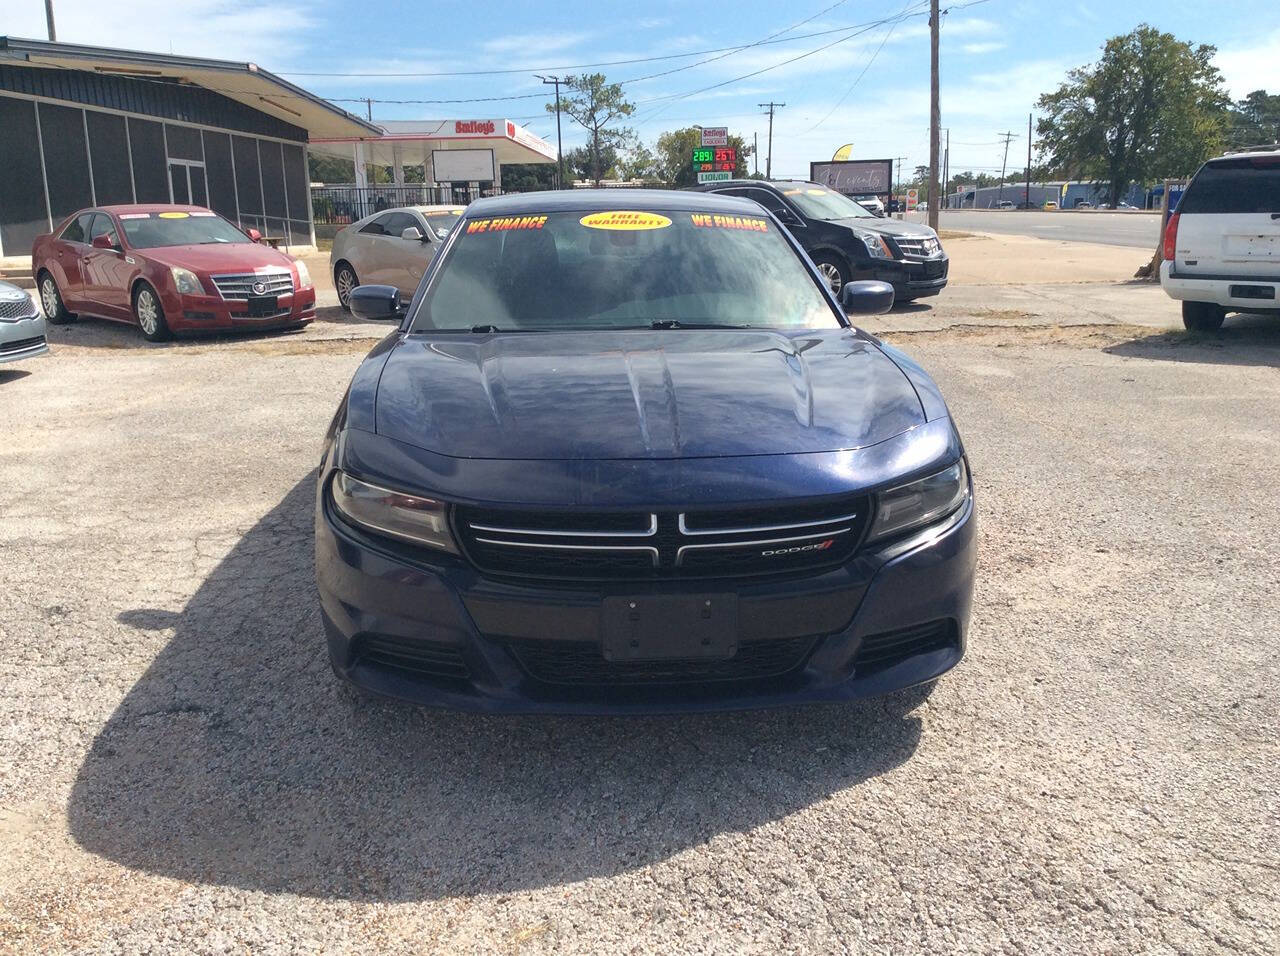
(149,314)
(1202,316)
(345,277)
(51,301)
(835,271)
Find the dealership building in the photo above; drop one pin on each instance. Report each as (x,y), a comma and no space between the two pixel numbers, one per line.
(85,126)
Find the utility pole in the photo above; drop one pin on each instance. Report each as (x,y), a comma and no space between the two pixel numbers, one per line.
(935,114)
(1026,196)
(896,191)
(768,160)
(1003,166)
(48,15)
(368,109)
(755,151)
(547,81)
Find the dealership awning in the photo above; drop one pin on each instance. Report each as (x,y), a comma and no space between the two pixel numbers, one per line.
(246,83)
(412,142)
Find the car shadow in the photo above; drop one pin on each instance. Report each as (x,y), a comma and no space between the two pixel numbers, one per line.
(12,374)
(1248,339)
(238,759)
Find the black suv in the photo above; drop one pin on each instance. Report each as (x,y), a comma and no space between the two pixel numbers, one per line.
(847,242)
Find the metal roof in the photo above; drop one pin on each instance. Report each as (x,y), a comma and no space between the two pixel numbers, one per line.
(246,83)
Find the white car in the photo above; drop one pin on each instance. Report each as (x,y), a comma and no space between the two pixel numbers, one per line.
(22,328)
(871,204)
(392,247)
(1221,250)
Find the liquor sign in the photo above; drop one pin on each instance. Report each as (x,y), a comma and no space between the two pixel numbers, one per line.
(714,177)
(715,136)
(715,159)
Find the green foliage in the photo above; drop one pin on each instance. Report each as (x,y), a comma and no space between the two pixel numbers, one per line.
(528,177)
(330,169)
(1152,106)
(639,162)
(1255,120)
(595,105)
(675,156)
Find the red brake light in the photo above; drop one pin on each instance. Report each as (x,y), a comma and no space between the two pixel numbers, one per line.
(1171,236)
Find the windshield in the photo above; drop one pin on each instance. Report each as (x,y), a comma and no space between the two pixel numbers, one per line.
(442,222)
(621,269)
(150,230)
(819,202)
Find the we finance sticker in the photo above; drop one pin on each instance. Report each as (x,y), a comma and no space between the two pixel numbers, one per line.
(506,224)
(625,219)
(739,223)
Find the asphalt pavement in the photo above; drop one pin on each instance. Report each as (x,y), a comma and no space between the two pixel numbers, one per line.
(179,769)
(1108,228)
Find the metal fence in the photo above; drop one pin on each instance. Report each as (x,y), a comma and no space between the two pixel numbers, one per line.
(341,205)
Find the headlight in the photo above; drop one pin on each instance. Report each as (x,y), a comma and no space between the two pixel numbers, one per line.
(920,502)
(877,248)
(304,277)
(186,281)
(408,517)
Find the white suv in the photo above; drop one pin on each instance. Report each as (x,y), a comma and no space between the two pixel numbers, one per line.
(1222,245)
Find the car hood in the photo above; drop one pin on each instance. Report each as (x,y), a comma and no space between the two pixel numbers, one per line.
(642,394)
(218,257)
(887,227)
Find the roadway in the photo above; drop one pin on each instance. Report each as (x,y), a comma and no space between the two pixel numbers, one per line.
(1106,228)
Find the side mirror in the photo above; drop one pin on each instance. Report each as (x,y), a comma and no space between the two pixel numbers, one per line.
(867,297)
(412,233)
(376,303)
(103,242)
(254,235)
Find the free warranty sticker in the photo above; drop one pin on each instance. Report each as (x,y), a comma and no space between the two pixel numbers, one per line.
(625,219)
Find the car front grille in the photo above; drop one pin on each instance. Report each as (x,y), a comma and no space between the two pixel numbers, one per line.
(582,663)
(703,543)
(241,285)
(22,308)
(881,651)
(428,658)
(918,247)
(21,345)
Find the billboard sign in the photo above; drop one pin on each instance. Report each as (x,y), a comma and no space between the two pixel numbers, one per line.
(855,177)
(715,136)
(715,159)
(913,199)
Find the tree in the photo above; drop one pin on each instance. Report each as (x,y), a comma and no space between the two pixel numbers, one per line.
(595,105)
(330,169)
(1152,106)
(580,163)
(639,163)
(528,177)
(1255,120)
(675,156)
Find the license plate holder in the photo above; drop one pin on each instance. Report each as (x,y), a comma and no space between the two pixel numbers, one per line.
(657,627)
(261,306)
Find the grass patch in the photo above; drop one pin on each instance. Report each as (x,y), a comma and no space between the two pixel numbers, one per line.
(957,234)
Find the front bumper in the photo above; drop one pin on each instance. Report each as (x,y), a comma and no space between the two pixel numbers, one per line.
(193,313)
(22,338)
(1264,292)
(438,633)
(913,278)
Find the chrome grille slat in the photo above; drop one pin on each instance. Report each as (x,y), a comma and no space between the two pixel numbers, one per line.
(759,529)
(724,545)
(491,529)
(543,545)
(240,285)
(919,247)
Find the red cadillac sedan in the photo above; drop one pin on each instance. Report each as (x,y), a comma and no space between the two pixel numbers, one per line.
(168,269)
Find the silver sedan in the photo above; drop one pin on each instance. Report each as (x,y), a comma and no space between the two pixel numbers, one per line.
(392,247)
(22,328)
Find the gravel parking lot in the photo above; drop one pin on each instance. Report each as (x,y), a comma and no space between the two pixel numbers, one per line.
(179,768)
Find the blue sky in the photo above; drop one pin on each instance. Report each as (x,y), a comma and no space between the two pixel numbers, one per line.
(868,86)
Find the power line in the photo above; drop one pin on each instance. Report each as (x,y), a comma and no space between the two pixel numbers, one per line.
(768,161)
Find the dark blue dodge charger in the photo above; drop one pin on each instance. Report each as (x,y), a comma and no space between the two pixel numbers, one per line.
(625,453)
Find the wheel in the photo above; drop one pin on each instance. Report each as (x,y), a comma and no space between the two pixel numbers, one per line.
(833,269)
(51,300)
(150,314)
(1202,316)
(344,280)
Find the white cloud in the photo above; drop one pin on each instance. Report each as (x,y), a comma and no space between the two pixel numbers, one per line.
(1251,66)
(538,44)
(977,48)
(269,33)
